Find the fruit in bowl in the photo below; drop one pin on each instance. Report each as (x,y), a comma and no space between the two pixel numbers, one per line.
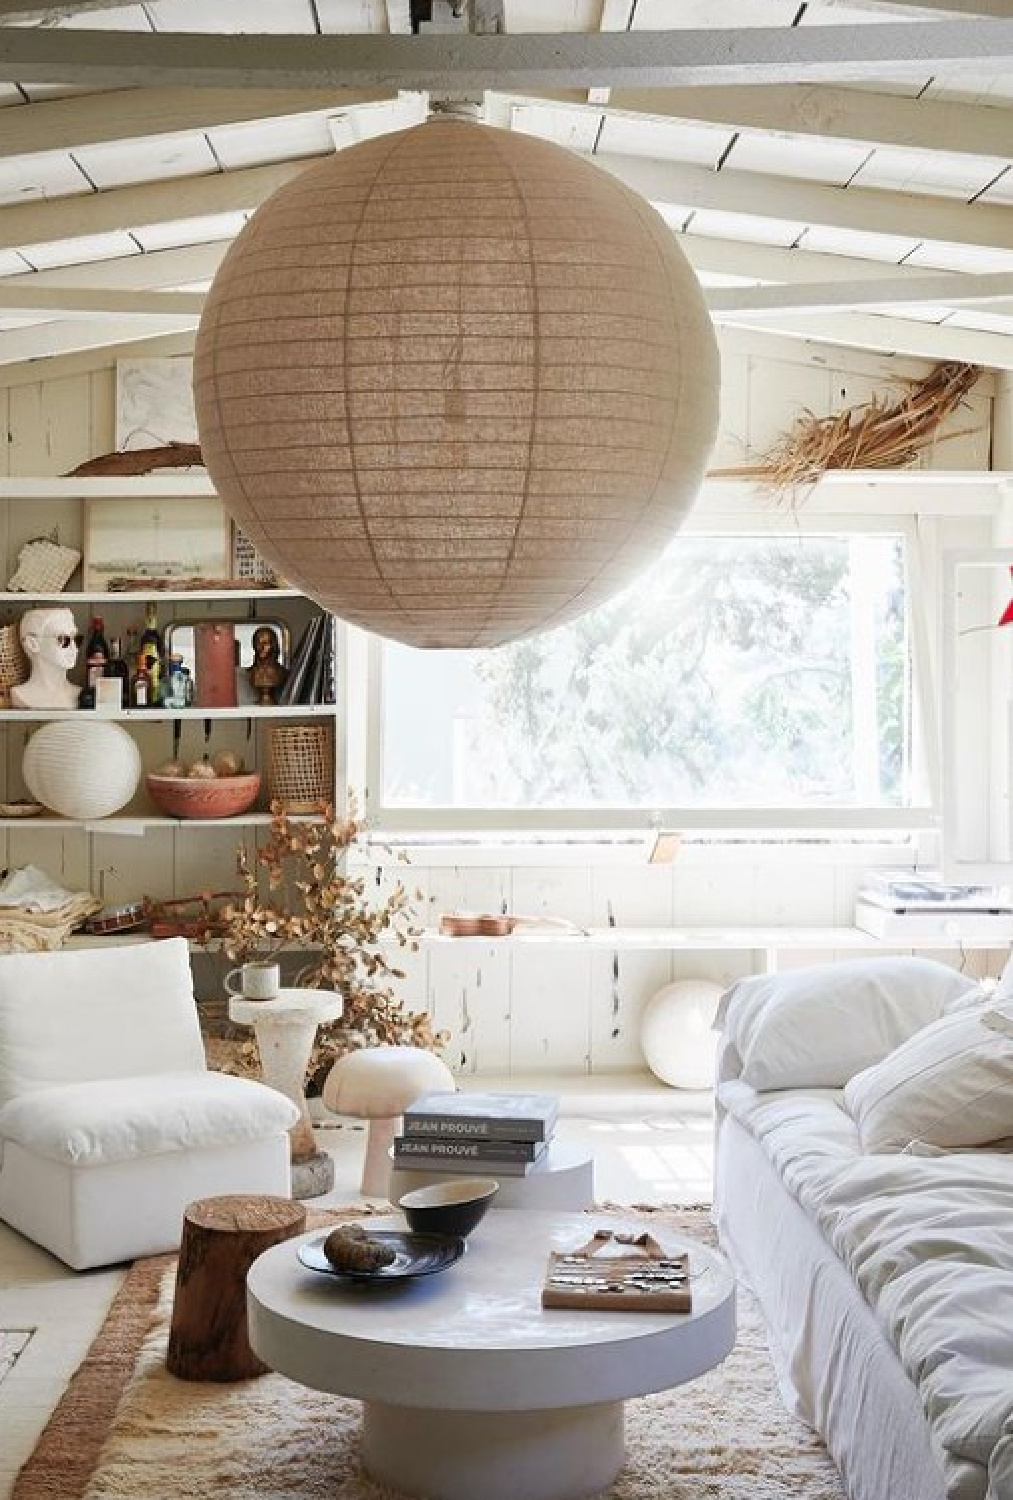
(203,796)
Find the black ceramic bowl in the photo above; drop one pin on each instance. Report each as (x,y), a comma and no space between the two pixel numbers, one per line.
(451,1207)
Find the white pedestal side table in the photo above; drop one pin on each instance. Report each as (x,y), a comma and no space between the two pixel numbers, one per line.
(285,1028)
(468,1386)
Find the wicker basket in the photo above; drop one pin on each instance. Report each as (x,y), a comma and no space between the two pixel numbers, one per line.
(300,766)
(14,668)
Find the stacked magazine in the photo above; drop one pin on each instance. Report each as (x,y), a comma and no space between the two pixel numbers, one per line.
(492,1134)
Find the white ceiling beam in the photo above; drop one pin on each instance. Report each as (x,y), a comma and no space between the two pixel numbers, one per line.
(912,216)
(923,7)
(457,61)
(945,289)
(26,224)
(72,335)
(183,308)
(818,111)
(131,114)
(616,15)
(138,273)
(770,263)
(935,341)
(30,10)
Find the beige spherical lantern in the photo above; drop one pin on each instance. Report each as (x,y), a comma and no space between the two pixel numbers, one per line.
(456,384)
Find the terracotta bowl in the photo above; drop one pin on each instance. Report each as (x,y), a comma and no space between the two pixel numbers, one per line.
(200,797)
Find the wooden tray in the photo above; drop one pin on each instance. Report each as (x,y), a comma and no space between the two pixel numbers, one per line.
(648,1280)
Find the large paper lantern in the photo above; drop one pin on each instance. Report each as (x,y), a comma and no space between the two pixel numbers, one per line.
(456,384)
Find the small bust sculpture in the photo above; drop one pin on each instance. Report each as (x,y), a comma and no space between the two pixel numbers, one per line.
(50,639)
(266,675)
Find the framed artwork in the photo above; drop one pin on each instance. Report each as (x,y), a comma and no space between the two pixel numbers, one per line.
(176,538)
(154,402)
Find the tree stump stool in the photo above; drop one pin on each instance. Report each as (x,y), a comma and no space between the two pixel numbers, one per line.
(222,1237)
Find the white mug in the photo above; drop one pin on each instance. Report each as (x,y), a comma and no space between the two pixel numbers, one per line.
(256,981)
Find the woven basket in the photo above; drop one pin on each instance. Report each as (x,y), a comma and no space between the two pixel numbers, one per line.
(14,668)
(300,766)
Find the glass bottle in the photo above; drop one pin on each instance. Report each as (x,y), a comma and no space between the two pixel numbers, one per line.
(118,668)
(96,653)
(149,654)
(140,688)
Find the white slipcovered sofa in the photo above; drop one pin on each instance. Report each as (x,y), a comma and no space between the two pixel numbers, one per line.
(864,1188)
(110,1122)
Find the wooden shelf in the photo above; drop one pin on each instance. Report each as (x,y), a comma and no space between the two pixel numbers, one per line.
(142,596)
(708,939)
(129,824)
(149,715)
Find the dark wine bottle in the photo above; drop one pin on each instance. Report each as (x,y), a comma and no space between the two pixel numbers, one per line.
(118,668)
(96,652)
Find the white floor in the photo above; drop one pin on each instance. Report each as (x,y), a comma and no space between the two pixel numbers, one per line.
(651,1144)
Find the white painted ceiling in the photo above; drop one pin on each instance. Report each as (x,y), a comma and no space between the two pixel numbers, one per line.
(866,199)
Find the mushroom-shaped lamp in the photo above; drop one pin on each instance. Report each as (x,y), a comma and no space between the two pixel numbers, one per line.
(378,1084)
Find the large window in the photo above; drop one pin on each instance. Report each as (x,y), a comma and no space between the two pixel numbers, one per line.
(742,672)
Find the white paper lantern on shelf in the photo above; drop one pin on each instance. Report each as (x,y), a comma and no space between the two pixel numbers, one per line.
(82,768)
(676,1033)
(456,384)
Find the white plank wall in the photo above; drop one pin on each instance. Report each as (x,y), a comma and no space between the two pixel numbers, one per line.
(507,1009)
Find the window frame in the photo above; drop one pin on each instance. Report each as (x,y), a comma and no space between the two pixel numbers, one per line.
(893,504)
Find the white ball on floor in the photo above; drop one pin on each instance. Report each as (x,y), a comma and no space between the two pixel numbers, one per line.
(675,1034)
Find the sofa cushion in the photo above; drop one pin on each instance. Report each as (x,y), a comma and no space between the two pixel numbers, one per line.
(98,1013)
(116,1120)
(817,1027)
(949,1086)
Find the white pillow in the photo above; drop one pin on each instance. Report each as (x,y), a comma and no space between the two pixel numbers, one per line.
(819,1026)
(949,1086)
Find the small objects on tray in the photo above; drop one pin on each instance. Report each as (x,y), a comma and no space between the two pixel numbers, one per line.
(350,1248)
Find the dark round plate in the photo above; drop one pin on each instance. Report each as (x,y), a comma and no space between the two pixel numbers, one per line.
(416,1255)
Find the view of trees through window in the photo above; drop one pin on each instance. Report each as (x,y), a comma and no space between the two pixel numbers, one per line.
(739,672)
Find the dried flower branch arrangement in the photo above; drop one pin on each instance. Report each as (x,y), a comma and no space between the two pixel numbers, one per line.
(880,434)
(297,898)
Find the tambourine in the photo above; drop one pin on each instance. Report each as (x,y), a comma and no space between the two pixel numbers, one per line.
(116,919)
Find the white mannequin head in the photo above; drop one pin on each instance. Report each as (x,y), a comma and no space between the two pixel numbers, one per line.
(50,639)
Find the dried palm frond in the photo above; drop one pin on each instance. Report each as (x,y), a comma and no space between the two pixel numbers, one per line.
(879,434)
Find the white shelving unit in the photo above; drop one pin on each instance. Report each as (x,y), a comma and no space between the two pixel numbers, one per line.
(140,851)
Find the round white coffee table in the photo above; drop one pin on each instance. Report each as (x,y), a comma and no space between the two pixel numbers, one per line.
(468,1386)
(562,1179)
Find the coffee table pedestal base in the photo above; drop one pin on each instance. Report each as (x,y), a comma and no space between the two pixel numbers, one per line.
(564,1453)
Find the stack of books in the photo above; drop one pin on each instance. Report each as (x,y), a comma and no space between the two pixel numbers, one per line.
(898,904)
(496,1135)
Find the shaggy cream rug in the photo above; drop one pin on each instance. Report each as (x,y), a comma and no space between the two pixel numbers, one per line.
(724,1437)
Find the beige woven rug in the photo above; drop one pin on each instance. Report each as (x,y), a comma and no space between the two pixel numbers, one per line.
(724,1437)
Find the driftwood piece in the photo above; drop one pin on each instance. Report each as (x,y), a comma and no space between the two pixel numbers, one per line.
(222,1237)
(140,461)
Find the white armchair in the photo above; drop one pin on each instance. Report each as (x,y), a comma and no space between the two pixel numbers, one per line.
(110,1122)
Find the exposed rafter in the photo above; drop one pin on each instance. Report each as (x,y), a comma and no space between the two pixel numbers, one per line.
(858,330)
(816,111)
(133,207)
(124,114)
(455,61)
(182,310)
(868,210)
(946,289)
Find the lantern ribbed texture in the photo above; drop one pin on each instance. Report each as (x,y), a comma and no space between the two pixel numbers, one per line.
(456,384)
(82,768)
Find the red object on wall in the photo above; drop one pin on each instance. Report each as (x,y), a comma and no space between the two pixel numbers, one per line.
(1007,614)
(214,654)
